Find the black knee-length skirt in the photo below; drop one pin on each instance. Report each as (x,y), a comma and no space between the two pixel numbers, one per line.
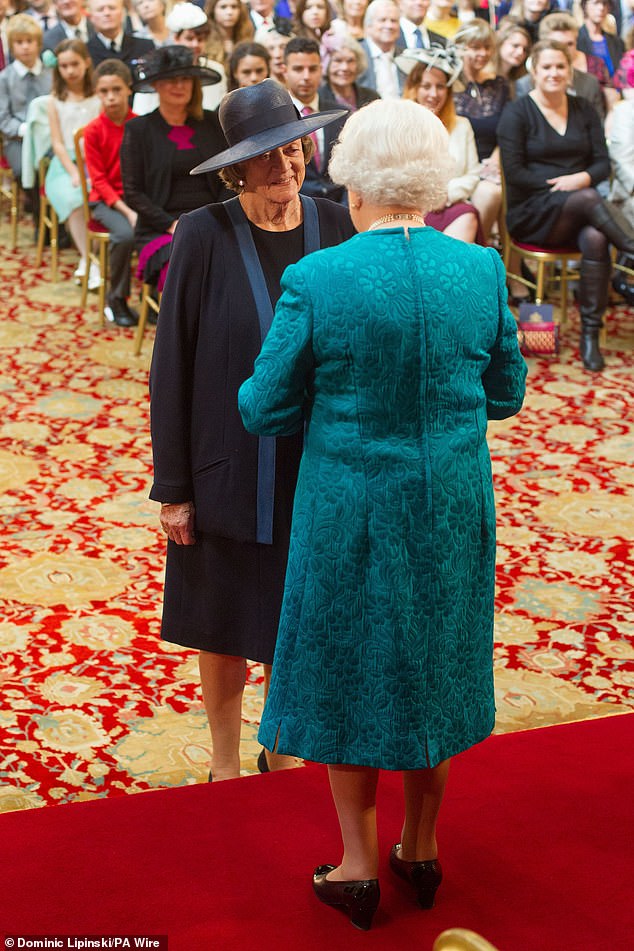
(225,596)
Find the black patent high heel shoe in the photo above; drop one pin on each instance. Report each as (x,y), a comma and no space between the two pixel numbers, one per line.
(360,899)
(424,876)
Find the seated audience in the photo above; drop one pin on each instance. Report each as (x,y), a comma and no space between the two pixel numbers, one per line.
(43,12)
(264,14)
(528,14)
(440,18)
(229,24)
(72,105)
(351,19)
(595,42)
(160,149)
(152,15)
(563,28)
(344,64)
(624,77)
(72,23)
(431,74)
(312,20)
(554,155)
(303,78)
(190,27)
(482,100)
(414,34)
(110,40)
(23,80)
(249,64)
(275,44)
(102,144)
(621,148)
(382,28)
(512,46)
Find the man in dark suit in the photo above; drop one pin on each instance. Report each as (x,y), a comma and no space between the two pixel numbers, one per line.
(382,28)
(110,40)
(71,24)
(303,77)
(414,34)
(264,17)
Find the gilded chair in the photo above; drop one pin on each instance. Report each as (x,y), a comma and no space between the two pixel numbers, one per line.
(48,220)
(546,260)
(150,301)
(97,236)
(10,191)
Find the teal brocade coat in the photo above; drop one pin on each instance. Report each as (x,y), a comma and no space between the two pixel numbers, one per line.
(393,353)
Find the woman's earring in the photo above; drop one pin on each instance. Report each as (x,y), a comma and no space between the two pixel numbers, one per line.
(241,182)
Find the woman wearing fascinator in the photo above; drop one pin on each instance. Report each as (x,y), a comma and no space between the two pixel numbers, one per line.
(431,74)
(227,496)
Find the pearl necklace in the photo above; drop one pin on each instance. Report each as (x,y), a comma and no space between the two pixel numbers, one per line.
(403,217)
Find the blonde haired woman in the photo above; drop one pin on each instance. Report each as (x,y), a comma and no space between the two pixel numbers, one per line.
(430,76)
(388,353)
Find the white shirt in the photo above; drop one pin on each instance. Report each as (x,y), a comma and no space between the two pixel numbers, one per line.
(409,29)
(259,20)
(385,72)
(71,31)
(314,105)
(22,70)
(107,41)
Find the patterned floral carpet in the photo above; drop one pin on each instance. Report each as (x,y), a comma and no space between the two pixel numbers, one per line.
(94,705)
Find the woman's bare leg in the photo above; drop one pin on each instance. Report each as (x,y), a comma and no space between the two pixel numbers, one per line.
(424,790)
(277,760)
(487,198)
(222,678)
(77,227)
(354,793)
(464,228)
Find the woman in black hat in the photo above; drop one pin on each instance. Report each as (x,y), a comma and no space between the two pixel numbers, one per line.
(160,149)
(227,496)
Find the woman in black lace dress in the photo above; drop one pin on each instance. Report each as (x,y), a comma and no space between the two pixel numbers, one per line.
(482,100)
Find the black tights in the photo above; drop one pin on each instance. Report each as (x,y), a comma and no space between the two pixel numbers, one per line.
(572,226)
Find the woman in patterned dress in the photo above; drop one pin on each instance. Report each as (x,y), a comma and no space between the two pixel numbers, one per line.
(389,352)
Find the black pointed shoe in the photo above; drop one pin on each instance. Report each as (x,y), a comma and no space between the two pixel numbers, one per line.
(359,899)
(425,877)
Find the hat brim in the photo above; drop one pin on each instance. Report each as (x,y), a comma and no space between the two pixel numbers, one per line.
(207,77)
(268,139)
(409,59)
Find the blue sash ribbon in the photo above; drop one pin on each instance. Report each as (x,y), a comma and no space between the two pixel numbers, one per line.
(257,281)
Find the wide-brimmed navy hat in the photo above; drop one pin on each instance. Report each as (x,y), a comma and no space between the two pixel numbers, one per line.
(256,119)
(171,62)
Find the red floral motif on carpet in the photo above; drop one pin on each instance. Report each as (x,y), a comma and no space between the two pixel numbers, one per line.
(93,704)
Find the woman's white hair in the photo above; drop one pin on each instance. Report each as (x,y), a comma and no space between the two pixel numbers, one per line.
(394,152)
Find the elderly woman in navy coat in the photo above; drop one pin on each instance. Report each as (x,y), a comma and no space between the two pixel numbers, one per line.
(392,350)
(226,495)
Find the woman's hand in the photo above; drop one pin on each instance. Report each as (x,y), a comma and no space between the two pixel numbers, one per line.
(177,521)
(569,183)
(74,177)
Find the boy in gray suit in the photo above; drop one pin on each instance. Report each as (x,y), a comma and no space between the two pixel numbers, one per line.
(23,80)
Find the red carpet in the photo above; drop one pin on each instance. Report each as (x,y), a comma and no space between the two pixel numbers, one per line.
(535,842)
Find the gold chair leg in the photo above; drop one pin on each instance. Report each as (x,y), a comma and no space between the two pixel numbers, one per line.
(564,293)
(539,291)
(15,199)
(54,245)
(103,271)
(41,234)
(140,330)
